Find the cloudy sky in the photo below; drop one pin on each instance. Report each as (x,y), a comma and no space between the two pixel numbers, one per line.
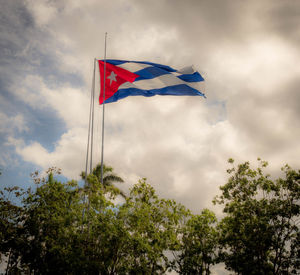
(247,51)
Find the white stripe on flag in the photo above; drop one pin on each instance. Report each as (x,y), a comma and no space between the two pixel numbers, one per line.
(134,67)
(159,82)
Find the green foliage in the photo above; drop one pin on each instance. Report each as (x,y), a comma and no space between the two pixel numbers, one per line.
(198,248)
(10,216)
(57,231)
(260,232)
(52,216)
(65,229)
(153,224)
(109,178)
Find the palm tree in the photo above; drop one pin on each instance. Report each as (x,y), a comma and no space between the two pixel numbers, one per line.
(109,178)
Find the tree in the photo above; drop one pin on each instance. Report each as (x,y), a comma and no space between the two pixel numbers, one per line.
(154,225)
(199,242)
(109,178)
(134,238)
(49,227)
(10,214)
(260,232)
(48,232)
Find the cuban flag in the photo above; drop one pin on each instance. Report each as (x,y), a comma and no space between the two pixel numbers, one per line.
(132,78)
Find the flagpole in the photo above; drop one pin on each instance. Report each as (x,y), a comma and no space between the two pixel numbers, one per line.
(90,136)
(103,109)
(91,126)
(93,115)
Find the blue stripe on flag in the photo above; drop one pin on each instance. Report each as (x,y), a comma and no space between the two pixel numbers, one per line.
(150,72)
(153,72)
(115,62)
(180,90)
(195,77)
(119,62)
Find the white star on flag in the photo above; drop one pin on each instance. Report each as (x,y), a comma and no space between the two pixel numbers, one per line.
(112,77)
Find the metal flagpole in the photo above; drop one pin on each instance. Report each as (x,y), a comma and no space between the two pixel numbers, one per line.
(92,134)
(103,112)
(93,111)
(90,119)
(90,137)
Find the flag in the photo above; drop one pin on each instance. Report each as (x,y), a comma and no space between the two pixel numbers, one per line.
(132,78)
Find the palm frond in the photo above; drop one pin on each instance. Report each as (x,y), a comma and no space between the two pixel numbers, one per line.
(109,178)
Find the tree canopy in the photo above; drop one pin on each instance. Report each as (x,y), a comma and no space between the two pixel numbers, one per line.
(260,230)
(54,228)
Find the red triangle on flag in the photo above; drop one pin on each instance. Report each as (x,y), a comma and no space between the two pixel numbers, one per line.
(114,78)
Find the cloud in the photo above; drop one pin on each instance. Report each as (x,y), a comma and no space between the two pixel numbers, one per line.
(10,125)
(262,65)
(71,104)
(68,153)
(282,18)
(43,12)
(247,52)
